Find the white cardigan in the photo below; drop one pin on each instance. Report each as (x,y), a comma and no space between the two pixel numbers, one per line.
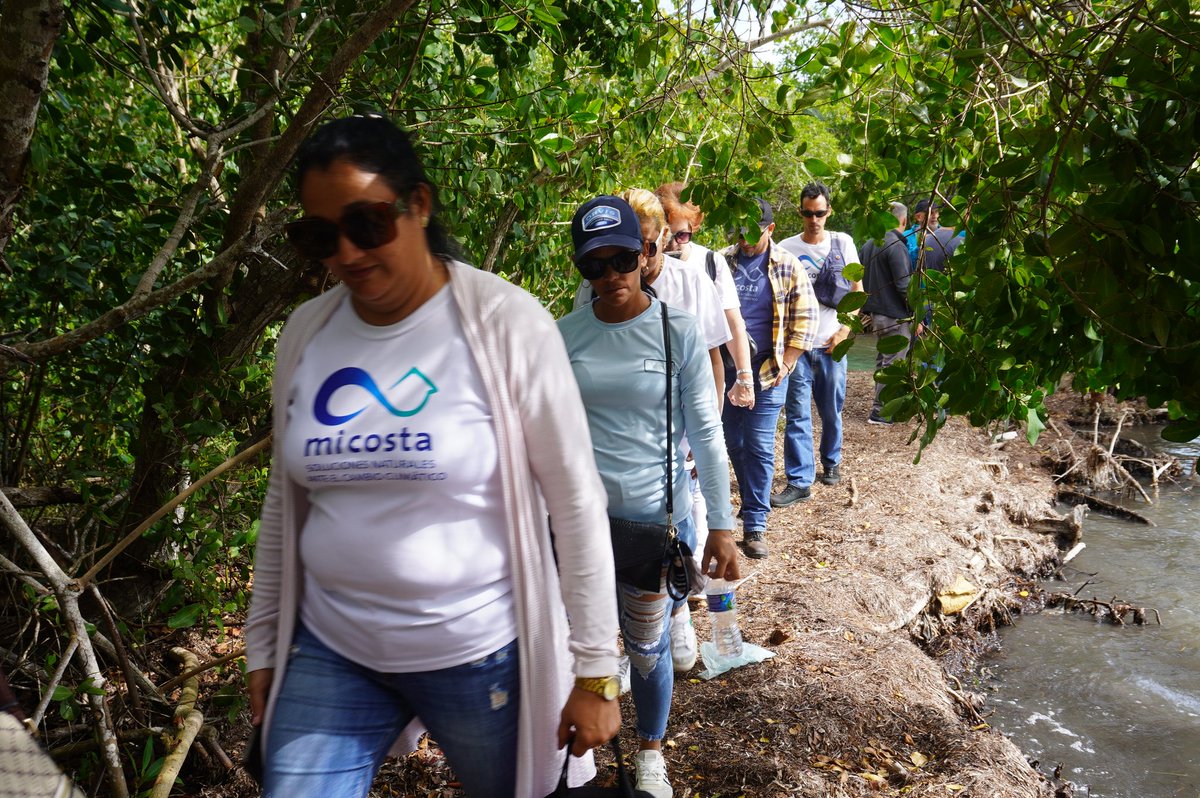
(546,465)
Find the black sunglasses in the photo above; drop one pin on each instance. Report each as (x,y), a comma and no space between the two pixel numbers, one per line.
(682,237)
(594,268)
(368,225)
(807,214)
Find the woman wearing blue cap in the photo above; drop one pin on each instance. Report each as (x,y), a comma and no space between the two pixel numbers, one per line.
(617,351)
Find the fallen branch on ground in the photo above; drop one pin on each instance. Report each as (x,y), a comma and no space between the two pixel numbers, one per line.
(189,719)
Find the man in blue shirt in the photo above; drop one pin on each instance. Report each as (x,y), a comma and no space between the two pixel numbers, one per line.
(780,310)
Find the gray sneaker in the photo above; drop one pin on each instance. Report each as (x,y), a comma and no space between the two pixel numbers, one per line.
(790,495)
(831,475)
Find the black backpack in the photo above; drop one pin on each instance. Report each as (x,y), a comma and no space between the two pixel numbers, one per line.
(830,285)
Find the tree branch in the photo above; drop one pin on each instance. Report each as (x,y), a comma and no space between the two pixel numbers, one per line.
(136,307)
(179,499)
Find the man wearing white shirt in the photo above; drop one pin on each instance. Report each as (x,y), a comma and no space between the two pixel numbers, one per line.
(818,376)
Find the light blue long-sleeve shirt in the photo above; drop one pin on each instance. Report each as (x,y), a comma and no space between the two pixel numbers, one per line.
(621,373)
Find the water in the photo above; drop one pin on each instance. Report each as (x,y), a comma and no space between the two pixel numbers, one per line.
(861,356)
(722,608)
(1119,708)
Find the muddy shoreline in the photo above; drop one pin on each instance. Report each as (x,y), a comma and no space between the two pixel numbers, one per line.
(855,702)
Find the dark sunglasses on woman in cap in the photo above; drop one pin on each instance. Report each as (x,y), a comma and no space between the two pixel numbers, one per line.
(368,225)
(594,268)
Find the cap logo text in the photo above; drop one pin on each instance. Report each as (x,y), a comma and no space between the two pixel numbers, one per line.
(601,217)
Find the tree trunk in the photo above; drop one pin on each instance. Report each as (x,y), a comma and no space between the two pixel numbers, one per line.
(28,30)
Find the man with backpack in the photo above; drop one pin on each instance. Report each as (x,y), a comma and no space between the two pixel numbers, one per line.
(818,376)
(888,273)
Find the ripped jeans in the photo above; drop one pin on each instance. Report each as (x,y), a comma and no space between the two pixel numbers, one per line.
(335,721)
(646,630)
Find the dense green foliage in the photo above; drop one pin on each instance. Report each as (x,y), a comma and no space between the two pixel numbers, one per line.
(146,277)
(1069,135)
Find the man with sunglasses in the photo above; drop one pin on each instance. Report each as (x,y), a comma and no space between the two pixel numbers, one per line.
(819,376)
(780,310)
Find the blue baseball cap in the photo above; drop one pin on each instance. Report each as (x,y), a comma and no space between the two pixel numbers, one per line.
(605,221)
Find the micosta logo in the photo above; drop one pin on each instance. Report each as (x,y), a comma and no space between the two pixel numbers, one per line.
(417,394)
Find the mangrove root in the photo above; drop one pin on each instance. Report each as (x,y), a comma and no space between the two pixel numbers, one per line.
(1076,498)
(1113,611)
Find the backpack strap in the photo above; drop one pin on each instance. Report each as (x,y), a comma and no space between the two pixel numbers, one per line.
(710,263)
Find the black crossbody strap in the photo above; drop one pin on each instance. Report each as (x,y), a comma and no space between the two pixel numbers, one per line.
(670,432)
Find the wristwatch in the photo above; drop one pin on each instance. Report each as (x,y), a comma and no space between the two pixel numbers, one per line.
(607,687)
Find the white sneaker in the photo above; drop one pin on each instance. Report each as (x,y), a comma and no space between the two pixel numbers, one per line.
(623,674)
(652,774)
(683,640)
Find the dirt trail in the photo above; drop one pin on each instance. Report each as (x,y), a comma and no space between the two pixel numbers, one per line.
(851,704)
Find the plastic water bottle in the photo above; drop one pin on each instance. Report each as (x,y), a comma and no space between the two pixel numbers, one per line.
(722,609)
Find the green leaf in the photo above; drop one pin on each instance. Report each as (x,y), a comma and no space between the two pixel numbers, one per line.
(852,302)
(1181,431)
(841,349)
(892,344)
(1150,239)
(853,272)
(1033,426)
(185,617)
(817,167)
(507,23)
(61,693)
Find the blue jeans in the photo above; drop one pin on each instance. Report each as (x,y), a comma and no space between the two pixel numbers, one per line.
(646,619)
(335,721)
(750,438)
(820,378)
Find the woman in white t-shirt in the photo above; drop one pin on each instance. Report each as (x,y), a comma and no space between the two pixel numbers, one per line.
(404,576)
(684,220)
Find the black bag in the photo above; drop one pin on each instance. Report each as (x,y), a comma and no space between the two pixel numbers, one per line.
(252,757)
(624,788)
(640,548)
(830,285)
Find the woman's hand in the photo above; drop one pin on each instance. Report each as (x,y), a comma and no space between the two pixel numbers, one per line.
(259,682)
(720,556)
(595,720)
(741,395)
